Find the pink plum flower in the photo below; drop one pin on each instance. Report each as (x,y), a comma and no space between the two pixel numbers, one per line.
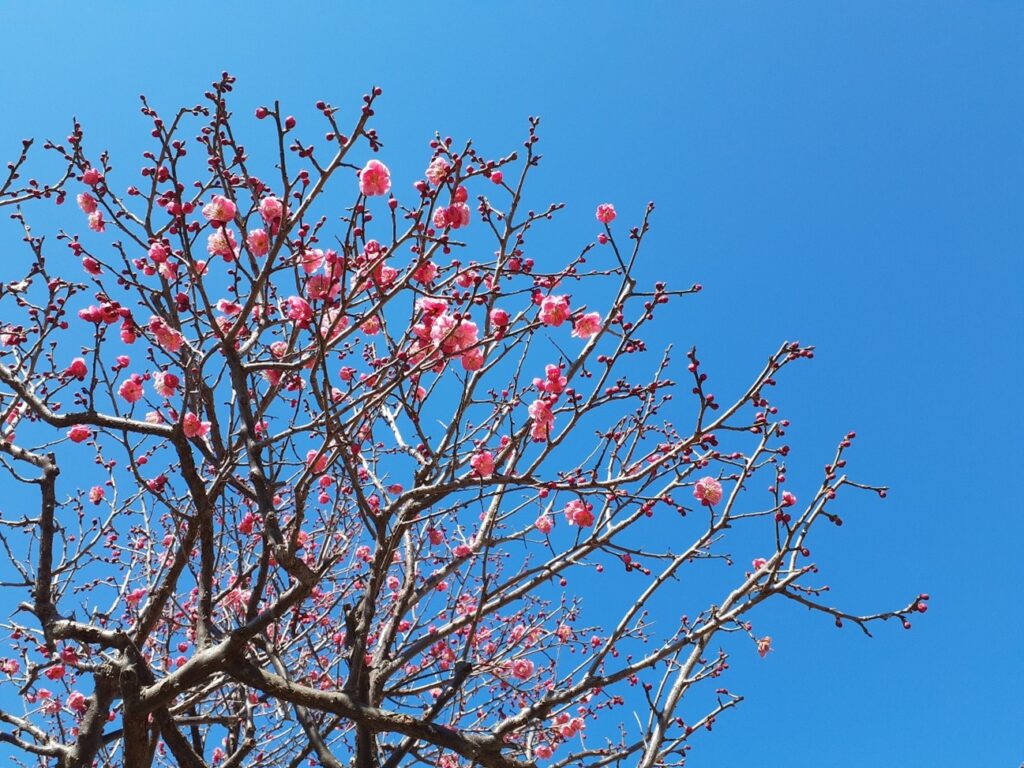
(788,499)
(220,210)
(165,383)
(297,310)
(193,427)
(77,369)
(759,563)
(131,389)
(543,420)
(482,464)
(522,669)
(764,646)
(605,213)
(168,338)
(79,433)
(544,523)
(554,310)
(272,212)
(708,491)
(96,494)
(259,242)
(87,203)
(375,179)
(586,325)
(96,222)
(579,513)
(77,702)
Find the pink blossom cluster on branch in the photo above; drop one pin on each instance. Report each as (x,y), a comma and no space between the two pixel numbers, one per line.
(321,481)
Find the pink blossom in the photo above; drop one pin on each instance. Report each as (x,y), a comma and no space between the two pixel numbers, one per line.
(159,252)
(272,212)
(135,596)
(220,210)
(56,672)
(544,523)
(193,427)
(482,464)
(87,202)
(457,215)
(522,669)
(425,272)
(708,491)
(92,177)
(586,325)
(96,494)
(298,311)
(605,213)
(543,420)
(554,310)
(375,178)
(165,383)
(473,360)
(311,260)
(96,223)
(229,308)
(437,171)
(759,563)
(77,369)
(131,389)
(543,751)
(317,464)
(579,513)
(764,646)
(259,242)
(167,337)
(79,433)
(77,702)
(499,317)
(553,382)
(222,243)
(788,499)
(245,525)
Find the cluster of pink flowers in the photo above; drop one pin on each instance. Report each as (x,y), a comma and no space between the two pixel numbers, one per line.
(165,383)
(454,336)
(192,426)
(553,382)
(297,310)
(543,420)
(579,513)
(168,338)
(77,369)
(554,310)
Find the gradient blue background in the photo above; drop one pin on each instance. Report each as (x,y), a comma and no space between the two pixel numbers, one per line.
(846,174)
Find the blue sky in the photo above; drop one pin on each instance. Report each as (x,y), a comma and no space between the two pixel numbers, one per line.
(845,174)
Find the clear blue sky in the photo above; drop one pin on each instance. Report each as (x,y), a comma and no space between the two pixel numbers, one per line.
(846,174)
